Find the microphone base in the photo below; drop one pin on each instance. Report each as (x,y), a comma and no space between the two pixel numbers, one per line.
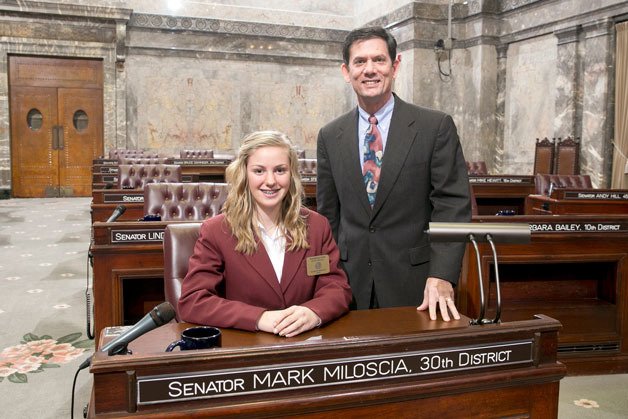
(119,350)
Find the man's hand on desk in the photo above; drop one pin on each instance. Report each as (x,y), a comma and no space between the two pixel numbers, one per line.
(289,322)
(439,292)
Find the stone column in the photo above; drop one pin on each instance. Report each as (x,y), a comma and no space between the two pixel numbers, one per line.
(120,117)
(568,116)
(598,101)
(500,108)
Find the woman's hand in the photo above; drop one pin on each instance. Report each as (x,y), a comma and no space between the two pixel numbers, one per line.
(289,322)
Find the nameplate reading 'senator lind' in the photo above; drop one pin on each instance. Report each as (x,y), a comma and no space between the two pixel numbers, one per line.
(579,227)
(120,197)
(602,196)
(498,179)
(329,372)
(137,236)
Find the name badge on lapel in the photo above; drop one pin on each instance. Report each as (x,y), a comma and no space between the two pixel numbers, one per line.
(317,265)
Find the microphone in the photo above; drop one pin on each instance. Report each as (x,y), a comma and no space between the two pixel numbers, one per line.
(117,213)
(158,316)
(551,189)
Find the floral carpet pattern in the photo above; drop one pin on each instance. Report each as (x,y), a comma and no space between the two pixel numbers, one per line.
(37,353)
(43,274)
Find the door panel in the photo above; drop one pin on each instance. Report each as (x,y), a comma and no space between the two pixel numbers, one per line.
(80,110)
(54,158)
(34,163)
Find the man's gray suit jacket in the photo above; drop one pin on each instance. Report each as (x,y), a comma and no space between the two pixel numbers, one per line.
(423,178)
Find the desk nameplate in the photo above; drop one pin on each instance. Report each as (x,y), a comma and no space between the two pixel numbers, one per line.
(499,179)
(600,196)
(308,178)
(201,162)
(579,227)
(121,198)
(152,235)
(109,178)
(329,372)
(109,169)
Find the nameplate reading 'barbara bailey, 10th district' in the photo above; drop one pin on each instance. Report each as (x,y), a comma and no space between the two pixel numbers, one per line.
(328,372)
(137,236)
(579,227)
(115,198)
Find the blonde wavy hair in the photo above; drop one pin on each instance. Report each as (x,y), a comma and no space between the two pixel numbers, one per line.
(239,208)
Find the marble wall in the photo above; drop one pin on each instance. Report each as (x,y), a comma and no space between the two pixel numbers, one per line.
(204,73)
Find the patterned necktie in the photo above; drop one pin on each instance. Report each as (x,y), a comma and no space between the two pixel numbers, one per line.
(373,153)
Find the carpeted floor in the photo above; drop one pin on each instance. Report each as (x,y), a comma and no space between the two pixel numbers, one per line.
(43,268)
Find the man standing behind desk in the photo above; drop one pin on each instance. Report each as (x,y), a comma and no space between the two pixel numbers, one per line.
(382,180)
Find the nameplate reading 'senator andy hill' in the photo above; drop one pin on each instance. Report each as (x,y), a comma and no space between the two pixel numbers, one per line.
(329,372)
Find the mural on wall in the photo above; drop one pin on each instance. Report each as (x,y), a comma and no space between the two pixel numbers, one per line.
(179,108)
(213,104)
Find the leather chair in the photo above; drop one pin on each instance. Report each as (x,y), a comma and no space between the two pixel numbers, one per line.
(543,156)
(136,176)
(307,170)
(140,159)
(118,153)
(196,154)
(224,155)
(184,201)
(307,167)
(542,182)
(179,241)
(567,157)
(475,168)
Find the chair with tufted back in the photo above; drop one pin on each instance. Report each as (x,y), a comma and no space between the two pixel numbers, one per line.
(476,168)
(179,241)
(307,169)
(117,153)
(542,182)
(140,159)
(196,154)
(184,201)
(136,176)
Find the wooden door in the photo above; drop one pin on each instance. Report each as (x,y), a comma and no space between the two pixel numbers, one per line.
(56,125)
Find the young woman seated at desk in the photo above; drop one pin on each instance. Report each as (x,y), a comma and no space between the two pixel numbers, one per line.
(266,263)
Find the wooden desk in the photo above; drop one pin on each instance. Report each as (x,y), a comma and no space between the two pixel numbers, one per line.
(128,271)
(537,278)
(492,193)
(105,201)
(202,170)
(501,192)
(576,271)
(370,363)
(572,201)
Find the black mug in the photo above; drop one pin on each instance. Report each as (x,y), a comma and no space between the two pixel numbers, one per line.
(197,337)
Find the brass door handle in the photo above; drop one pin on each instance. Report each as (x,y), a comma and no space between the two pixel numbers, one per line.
(55,138)
(61,144)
